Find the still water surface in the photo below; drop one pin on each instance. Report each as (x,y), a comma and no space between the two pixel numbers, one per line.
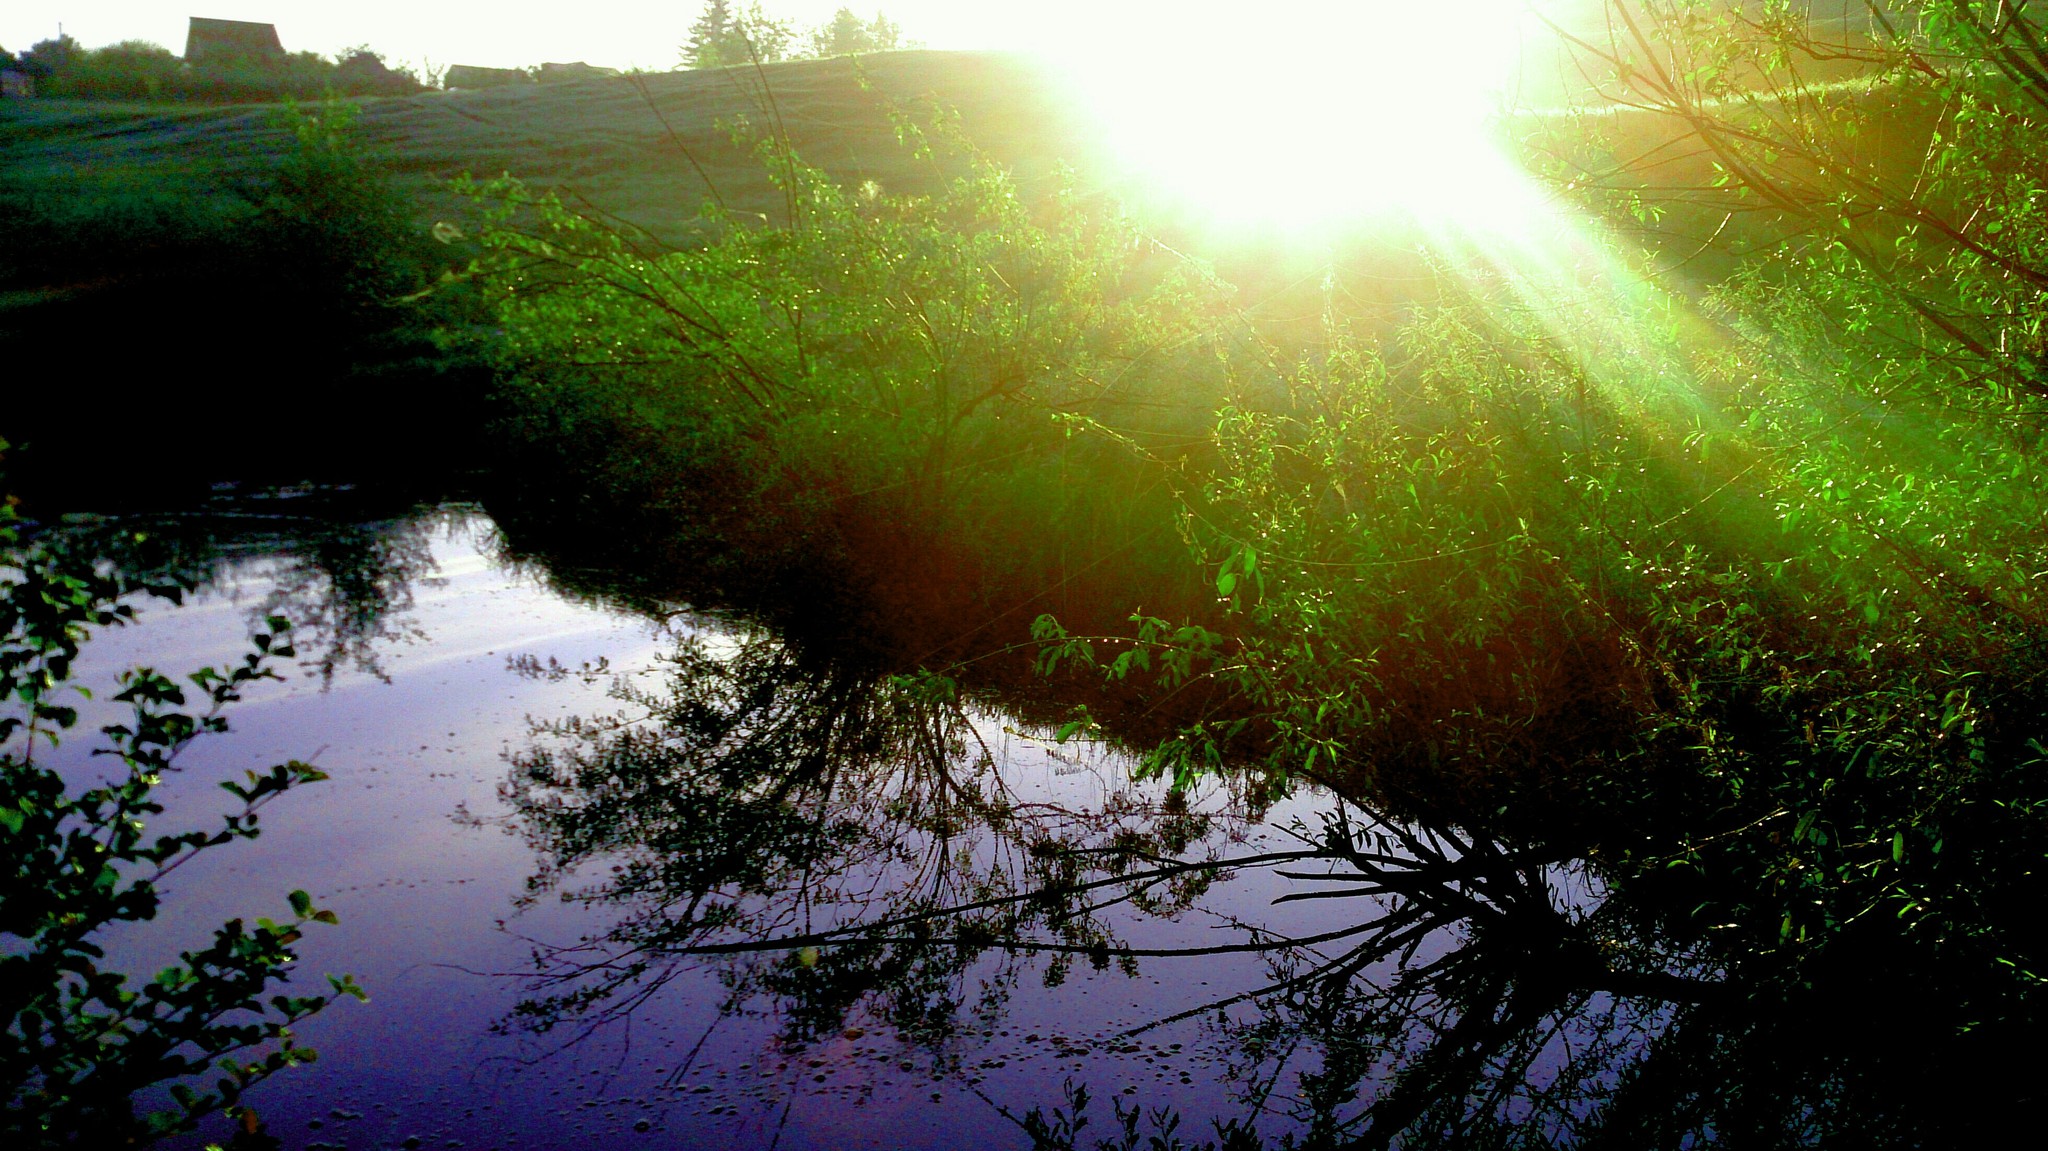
(474,871)
(618,873)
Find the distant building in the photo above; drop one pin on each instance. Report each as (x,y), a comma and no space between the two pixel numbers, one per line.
(16,85)
(552,73)
(212,39)
(471,76)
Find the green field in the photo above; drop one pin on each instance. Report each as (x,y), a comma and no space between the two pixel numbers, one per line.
(648,148)
(139,219)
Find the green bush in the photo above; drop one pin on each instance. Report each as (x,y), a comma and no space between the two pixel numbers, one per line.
(875,393)
(78,1041)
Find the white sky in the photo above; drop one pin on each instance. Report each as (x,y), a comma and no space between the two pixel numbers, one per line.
(618,33)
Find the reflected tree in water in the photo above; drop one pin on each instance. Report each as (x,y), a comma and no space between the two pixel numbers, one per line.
(1552,1004)
(346,583)
(1494,984)
(841,840)
(350,588)
(843,847)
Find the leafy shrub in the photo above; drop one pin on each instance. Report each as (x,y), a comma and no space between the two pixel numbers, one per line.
(876,388)
(78,1040)
(329,229)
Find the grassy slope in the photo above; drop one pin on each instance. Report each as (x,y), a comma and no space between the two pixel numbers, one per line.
(650,149)
(624,150)
(614,141)
(208,363)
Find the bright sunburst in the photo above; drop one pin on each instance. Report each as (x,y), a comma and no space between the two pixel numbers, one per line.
(1301,115)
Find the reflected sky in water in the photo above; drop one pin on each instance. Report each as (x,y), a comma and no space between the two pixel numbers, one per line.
(413,717)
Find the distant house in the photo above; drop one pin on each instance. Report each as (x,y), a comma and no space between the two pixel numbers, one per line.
(552,73)
(16,85)
(471,76)
(212,39)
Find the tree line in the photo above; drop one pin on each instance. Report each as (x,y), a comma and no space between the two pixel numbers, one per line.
(724,35)
(143,70)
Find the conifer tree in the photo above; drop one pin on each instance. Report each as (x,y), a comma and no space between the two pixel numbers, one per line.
(711,38)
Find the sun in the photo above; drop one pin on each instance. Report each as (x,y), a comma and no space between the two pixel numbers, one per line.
(1304,115)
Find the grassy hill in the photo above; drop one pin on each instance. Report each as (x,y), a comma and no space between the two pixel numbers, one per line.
(648,148)
(652,149)
(133,270)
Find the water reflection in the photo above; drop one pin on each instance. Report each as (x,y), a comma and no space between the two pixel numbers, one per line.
(844,843)
(831,850)
(847,850)
(345,577)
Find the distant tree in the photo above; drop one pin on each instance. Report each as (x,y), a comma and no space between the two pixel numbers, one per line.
(763,36)
(359,71)
(847,34)
(134,50)
(722,37)
(130,70)
(709,36)
(51,57)
(887,34)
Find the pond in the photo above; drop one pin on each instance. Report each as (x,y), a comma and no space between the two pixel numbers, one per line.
(620,873)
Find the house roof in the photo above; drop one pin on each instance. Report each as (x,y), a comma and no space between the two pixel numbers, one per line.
(210,37)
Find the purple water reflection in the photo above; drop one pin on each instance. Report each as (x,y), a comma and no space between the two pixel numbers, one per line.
(408,843)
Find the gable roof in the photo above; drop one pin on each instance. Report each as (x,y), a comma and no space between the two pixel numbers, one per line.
(210,37)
